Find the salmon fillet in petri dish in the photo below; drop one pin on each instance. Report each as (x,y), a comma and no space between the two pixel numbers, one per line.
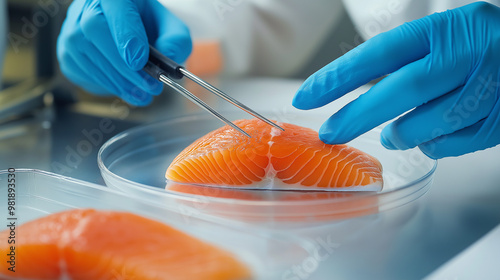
(294,159)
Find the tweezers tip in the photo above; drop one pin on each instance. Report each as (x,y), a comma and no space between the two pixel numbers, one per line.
(277,126)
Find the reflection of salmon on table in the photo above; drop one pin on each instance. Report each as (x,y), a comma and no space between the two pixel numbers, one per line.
(280,205)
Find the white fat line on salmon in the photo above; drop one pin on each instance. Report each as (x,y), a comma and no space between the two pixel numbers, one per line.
(237,162)
(61,263)
(68,239)
(360,173)
(368,171)
(348,171)
(270,172)
(275,132)
(248,167)
(327,166)
(346,162)
(63,268)
(315,167)
(300,169)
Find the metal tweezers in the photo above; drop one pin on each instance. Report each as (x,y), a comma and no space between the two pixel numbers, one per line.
(167,71)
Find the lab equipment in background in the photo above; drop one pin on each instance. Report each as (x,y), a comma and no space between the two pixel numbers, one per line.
(31,82)
(31,71)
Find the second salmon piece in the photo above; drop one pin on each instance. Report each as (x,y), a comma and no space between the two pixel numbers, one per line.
(272,159)
(88,244)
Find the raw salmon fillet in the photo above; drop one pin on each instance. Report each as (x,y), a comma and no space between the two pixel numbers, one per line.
(89,244)
(293,159)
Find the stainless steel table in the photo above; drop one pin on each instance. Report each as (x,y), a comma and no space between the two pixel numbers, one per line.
(405,243)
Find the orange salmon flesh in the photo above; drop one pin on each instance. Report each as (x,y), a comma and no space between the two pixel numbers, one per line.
(293,159)
(89,244)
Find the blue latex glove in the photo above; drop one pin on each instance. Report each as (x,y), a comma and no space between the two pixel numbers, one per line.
(446,67)
(103,45)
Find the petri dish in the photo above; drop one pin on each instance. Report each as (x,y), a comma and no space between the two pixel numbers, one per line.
(135,162)
(40,193)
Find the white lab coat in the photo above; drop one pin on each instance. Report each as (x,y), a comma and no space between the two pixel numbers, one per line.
(278,37)
(268,37)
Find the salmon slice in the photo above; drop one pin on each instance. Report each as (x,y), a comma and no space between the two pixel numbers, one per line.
(89,244)
(293,159)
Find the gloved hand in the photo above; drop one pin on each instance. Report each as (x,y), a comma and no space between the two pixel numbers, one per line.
(103,45)
(446,67)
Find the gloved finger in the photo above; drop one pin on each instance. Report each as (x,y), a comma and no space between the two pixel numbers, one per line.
(455,144)
(98,76)
(68,55)
(127,30)
(458,143)
(380,55)
(118,85)
(73,12)
(407,88)
(78,53)
(106,55)
(454,111)
(76,74)
(136,97)
(482,135)
(82,53)
(122,86)
(174,39)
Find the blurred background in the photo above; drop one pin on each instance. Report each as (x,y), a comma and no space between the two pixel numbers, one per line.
(33,27)
(42,115)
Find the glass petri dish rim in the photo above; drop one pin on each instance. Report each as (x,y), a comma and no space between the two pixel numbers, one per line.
(195,198)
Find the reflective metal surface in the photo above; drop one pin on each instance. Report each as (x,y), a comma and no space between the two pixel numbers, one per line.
(409,242)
